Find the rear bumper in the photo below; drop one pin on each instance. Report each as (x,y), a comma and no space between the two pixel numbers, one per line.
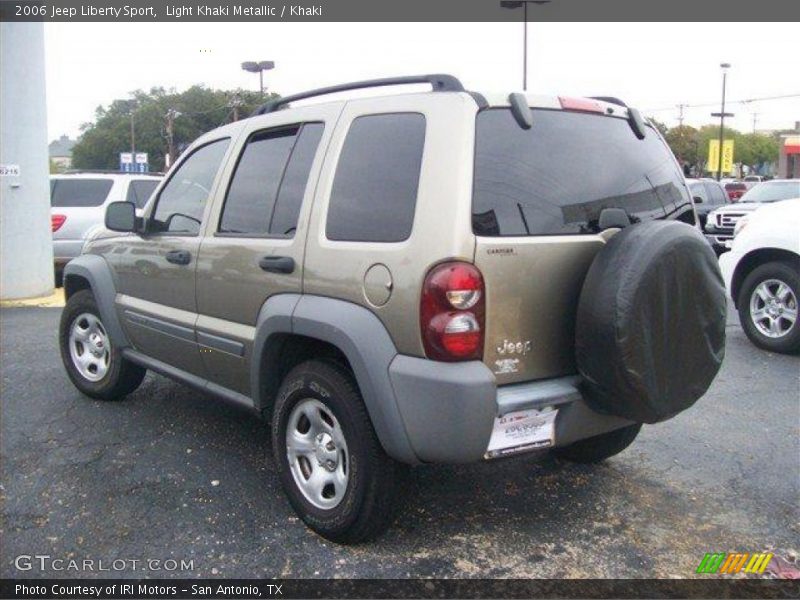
(65,250)
(448,409)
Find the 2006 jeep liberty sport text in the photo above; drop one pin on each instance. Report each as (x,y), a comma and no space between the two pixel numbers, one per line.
(437,276)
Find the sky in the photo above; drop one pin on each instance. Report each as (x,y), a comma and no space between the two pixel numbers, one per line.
(653,66)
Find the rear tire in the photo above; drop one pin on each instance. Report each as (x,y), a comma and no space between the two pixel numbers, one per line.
(334,471)
(600,447)
(761,286)
(93,363)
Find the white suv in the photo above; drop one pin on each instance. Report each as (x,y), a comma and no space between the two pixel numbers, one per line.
(78,203)
(762,274)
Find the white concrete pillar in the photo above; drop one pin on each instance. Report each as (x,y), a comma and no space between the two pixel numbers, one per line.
(26,243)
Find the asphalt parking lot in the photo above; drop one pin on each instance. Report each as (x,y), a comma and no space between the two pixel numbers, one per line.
(169,473)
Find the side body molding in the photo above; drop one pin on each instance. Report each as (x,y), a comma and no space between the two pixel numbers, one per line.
(96,271)
(361,337)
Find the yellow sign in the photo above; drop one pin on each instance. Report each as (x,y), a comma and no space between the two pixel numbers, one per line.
(713,156)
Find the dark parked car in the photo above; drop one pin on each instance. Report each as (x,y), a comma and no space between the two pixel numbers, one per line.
(708,195)
(735,190)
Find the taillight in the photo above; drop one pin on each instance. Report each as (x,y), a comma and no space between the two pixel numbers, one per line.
(452,312)
(56,221)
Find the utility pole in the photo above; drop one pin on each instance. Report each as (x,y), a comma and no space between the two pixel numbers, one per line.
(133,138)
(170,129)
(680,114)
(235,103)
(755,120)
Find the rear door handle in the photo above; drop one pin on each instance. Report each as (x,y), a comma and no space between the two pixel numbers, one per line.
(277,264)
(179,257)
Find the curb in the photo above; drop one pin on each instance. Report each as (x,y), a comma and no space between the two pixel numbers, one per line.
(55,300)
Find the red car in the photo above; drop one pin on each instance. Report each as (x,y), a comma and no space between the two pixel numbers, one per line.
(735,190)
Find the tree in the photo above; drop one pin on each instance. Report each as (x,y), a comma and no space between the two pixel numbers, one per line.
(751,149)
(197,110)
(662,128)
(684,143)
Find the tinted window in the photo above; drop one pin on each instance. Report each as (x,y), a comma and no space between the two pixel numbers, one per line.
(557,177)
(699,190)
(374,191)
(79,192)
(254,187)
(293,187)
(140,190)
(716,194)
(270,180)
(182,200)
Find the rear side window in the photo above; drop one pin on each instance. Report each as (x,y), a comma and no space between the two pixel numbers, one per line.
(140,190)
(79,192)
(699,190)
(716,194)
(267,188)
(374,192)
(557,176)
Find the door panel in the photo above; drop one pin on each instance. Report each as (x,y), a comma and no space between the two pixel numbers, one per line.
(153,293)
(155,271)
(269,197)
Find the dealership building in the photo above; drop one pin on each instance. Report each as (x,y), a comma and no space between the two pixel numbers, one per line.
(789,157)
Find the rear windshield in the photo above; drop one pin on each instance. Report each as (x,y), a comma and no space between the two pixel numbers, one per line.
(735,186)
(557,176)
(773,191)
(79,192)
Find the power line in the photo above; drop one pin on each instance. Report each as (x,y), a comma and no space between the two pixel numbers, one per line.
(707,104)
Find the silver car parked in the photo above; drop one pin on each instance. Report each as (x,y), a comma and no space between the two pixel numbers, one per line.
(78,204)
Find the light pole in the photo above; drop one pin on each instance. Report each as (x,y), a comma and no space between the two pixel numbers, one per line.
(259,67)
(512,4)
(722,114)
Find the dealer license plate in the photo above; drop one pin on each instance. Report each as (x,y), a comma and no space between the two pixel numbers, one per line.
(521,431)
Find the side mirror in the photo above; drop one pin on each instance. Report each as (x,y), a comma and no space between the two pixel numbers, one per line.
(697,200)
(121,216)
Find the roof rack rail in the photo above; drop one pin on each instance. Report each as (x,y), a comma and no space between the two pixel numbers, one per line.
(439,83)
(106,172)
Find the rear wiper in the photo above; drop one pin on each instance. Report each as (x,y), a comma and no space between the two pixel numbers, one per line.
(524,220)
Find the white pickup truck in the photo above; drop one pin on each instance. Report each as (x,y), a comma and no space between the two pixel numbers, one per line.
(720,223)
(762,275)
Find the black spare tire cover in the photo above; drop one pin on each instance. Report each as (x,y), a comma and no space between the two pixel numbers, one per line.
(650,330)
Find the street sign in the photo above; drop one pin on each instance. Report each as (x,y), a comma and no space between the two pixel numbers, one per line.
(126,162)
(713,156)
(142,165)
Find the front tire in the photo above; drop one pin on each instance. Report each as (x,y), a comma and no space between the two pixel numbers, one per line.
(600,447)
(94,365)
(334,471)
(768,307)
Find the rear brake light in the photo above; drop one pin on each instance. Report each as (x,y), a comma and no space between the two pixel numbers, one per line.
(452,312)
(582,104)
(56,221)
